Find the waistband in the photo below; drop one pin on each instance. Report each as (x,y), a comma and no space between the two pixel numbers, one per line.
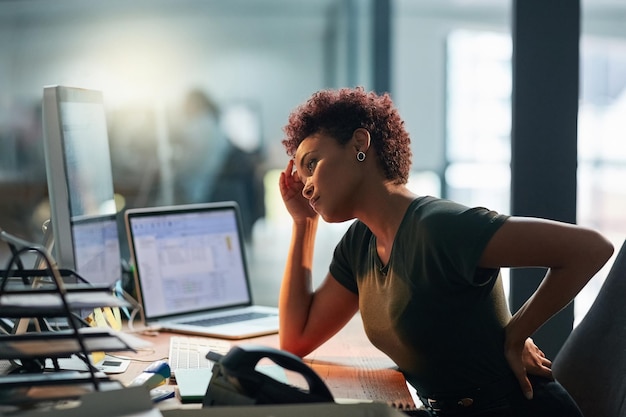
(464,401)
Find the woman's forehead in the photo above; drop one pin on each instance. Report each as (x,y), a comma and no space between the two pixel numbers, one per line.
(305,146)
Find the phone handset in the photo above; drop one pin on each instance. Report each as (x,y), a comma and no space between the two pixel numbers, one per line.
(236,381)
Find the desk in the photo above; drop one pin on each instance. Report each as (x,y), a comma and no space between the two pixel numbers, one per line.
(348,363)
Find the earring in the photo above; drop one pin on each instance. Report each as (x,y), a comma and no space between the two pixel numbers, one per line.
(360,156)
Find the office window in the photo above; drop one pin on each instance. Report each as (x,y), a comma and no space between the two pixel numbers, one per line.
(478,119)
(601,154)
(479,123)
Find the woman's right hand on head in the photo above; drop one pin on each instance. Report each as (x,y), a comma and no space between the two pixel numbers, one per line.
(291,191)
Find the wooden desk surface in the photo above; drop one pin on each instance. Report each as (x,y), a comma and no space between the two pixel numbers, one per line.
(351,367)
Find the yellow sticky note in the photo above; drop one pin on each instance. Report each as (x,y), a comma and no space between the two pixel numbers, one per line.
(99,319)
(113,319)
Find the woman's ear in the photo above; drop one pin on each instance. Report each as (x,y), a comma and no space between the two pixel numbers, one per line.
(361,140)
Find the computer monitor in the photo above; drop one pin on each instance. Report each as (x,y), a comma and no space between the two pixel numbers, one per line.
(80,183)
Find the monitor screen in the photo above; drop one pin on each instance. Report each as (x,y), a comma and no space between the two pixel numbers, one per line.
(80,183)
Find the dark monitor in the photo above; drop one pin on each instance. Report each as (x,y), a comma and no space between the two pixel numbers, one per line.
(80,183)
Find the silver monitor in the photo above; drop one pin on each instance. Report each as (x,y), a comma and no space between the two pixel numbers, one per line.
(80,183)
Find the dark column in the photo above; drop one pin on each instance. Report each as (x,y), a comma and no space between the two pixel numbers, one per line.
(381,51)
(544,133)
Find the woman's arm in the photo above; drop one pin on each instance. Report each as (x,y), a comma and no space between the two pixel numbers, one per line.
(307,317)
(572,254)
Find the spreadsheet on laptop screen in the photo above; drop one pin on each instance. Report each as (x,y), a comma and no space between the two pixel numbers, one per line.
(189,262)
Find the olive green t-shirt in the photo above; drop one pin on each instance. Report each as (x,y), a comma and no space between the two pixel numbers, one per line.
(431,309)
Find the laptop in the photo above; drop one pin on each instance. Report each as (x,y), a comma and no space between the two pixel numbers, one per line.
(190,271)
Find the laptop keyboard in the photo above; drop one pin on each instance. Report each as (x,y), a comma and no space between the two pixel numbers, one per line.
(190,352)
(214,321)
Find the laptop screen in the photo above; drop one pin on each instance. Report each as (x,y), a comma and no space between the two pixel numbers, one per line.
(188,259)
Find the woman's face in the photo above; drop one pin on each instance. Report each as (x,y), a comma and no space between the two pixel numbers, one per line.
(330,176)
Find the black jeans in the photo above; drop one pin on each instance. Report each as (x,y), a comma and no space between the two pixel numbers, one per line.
(549,400)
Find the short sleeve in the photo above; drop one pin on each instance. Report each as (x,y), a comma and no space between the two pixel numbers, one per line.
(458,236)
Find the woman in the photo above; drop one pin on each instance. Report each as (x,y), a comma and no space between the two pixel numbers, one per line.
(422,271)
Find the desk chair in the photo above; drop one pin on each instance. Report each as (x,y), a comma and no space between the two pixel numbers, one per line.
(591,365)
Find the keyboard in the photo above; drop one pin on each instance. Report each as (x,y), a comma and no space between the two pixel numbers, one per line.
(214,321)
(188,352)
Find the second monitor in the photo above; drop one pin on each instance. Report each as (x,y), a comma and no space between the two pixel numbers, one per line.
(80,183)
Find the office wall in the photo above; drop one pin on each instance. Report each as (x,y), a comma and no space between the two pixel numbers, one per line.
(274,59)
(271,60)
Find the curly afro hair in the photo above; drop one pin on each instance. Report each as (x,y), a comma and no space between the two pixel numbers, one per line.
(338,113)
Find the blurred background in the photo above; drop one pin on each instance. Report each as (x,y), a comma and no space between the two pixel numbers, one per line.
(197,93)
